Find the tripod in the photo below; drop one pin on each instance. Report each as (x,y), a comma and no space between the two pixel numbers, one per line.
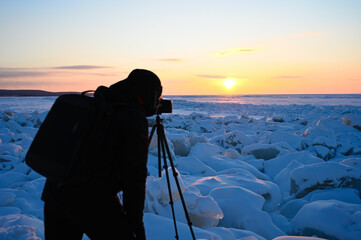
(163,150)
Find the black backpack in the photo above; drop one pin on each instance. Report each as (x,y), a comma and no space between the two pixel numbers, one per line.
(70,136)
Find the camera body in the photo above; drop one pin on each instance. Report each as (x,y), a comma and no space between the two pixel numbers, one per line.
(164,106)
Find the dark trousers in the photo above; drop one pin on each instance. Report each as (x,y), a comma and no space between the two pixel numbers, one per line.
(98,218)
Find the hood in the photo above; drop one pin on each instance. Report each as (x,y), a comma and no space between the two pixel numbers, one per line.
(141,84)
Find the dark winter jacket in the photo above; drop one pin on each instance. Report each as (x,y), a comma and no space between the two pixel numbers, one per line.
(123,162)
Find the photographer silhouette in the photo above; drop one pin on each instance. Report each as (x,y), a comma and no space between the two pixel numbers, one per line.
(93,207)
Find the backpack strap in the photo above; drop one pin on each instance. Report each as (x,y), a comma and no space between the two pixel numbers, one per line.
(87,91)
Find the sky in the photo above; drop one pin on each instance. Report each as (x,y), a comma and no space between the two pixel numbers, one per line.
(196,47)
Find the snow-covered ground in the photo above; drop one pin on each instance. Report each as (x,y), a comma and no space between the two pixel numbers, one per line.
(247,171)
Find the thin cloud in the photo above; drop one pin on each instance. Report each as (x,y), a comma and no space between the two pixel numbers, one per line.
(171,60)
(102,74)
(21,73)
(6,84)
(287,77)
(80,67)
(211,76)
(232,51)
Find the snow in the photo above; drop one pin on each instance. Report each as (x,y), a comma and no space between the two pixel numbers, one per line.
(295,141)
(352,120)
(193,166)
(242,209)
(329,219)
(325,175)
(21,226)
(180,143)
(246,171)
(266,151)
(235,140)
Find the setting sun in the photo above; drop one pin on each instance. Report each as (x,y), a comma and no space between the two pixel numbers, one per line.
(229,83)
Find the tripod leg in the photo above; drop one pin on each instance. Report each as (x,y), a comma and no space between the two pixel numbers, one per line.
(152,132)
(159,154)
(169,187)
(155,126)
(175,174)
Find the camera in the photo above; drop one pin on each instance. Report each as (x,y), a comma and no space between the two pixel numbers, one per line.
(164,106)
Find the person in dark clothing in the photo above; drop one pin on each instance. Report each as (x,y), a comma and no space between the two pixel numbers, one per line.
(94,208)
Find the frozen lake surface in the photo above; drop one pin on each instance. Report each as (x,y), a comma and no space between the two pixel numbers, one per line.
(251,167)
(216,105)
(286,99)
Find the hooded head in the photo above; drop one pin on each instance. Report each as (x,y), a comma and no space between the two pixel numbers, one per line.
(148,88)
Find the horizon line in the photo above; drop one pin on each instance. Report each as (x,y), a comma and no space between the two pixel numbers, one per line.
(237,94)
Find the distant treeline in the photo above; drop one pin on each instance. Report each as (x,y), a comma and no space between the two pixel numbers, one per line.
(29,93)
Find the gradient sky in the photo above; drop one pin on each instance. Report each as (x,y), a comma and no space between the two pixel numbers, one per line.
(265,46)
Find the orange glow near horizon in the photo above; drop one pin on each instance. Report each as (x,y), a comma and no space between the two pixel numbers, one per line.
(271,80)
